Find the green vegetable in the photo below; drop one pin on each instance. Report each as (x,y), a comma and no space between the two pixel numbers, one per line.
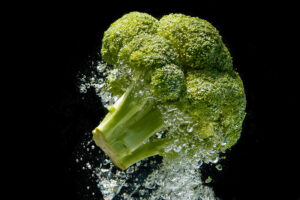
(197,42)
(178,65)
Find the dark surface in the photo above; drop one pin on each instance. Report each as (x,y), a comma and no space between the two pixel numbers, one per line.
(263,163)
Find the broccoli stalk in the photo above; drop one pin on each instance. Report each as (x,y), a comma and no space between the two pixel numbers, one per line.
(123,133)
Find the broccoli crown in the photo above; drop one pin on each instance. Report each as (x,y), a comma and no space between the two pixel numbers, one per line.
(217,102)
(176,62)
(123,31)
(197,42)
(147,52)
(167,83)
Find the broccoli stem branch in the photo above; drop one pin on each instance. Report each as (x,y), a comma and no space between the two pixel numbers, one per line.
(123,134)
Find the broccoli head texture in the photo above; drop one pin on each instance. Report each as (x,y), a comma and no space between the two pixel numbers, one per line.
(123,31)
(197,42)
(167,83)
(117,81)
(180,65)
(217,103)
(146,52)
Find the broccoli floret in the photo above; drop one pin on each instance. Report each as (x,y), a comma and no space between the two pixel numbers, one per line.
(123,31)
(197,42)
(217,102)
(146,52)
(117,81)
(179,62)
(167,83)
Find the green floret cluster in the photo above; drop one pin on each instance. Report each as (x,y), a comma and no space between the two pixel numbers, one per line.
(123,31)
(197,42)
(146,52)
(218,101)
(167,83)
(180,62)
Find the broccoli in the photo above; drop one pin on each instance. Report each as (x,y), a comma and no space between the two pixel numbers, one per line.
(177,62)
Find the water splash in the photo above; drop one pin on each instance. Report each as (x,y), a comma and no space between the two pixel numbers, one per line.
(150,179)
(179,179)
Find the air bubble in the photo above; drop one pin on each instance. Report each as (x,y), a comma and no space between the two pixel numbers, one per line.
(88,165)
(208,180)
(190,130)
(219,167)
(177,149)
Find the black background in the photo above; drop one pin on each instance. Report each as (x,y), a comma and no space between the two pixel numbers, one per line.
(62,40)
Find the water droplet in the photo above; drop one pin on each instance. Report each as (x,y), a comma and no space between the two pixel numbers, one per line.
(104,170)
(106,161)
(215,160)
(190,129)
(219,167)
(208,180)
(88,165)
(177,149)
